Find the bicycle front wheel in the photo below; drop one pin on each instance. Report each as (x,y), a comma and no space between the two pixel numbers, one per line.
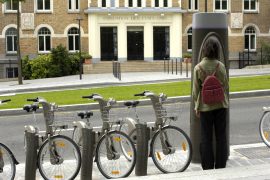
(59,158)
(265,128)
(111,155)
(7,164)
(171,149)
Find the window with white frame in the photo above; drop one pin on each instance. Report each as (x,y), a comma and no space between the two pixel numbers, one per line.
(156,3)
(103,3)
(11,72)
(139,3)
(130,3)
(193,5)
(73,5)
(11,41)
(189,35)
(73,39)
(43,5)
(250,38)
(11,5)
(165,3)
(44,40)
(221,5)
(250,5)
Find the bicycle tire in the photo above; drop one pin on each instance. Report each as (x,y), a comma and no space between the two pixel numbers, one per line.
(178,137)
(61,143)
(7,163)
(111,168)
(264,128)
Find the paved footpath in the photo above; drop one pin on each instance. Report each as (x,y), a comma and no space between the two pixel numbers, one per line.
(246,162)
(97,80)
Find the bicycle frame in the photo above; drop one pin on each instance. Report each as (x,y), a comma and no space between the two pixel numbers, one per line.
(48,113)
(104,106)
(161,117)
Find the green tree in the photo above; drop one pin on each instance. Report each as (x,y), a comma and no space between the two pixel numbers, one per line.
(18,38)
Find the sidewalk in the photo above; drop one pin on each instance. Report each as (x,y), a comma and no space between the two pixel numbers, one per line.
(246,162)
(97,80)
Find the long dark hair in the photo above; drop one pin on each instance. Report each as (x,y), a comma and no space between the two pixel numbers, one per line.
(211,48)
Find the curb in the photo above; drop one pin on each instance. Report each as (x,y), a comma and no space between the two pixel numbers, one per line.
(170,100)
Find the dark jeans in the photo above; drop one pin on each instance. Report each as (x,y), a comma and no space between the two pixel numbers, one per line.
(216,119)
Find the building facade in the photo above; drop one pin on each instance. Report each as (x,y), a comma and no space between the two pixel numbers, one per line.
(125,30)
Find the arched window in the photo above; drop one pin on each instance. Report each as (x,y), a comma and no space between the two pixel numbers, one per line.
(250,38)
(189,34)
(44,40)
(73,39)
(11,40)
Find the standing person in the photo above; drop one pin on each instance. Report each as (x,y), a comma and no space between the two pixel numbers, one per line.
(212,115)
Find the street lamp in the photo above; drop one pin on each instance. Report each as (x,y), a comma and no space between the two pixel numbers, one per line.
(79,19)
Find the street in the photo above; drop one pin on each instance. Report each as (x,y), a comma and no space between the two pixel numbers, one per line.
(245,114)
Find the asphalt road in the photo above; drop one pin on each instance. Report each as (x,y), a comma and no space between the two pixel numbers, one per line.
(245,114)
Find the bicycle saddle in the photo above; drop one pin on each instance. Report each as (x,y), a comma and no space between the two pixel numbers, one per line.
(131,103)
(30,107)
(85,114)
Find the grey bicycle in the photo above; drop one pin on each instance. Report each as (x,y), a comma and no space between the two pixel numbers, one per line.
(59,156)
(8,161)
(115,154)
(170,147)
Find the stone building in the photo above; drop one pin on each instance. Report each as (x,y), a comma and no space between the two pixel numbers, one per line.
(126,30)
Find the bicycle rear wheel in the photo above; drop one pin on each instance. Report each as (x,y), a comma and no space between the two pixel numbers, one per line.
(179,156)
(265,128)
(7,164)
(68,161)
(111,158)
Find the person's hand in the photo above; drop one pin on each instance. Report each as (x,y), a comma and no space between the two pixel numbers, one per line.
(197,113)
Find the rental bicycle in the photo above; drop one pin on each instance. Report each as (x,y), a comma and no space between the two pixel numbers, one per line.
(111,143)
(8,161)
(264,127)
(59,156)
(170,147)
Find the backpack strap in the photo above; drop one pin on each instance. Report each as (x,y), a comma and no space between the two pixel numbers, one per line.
(214,73)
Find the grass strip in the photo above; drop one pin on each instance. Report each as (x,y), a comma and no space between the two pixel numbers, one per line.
(67,97)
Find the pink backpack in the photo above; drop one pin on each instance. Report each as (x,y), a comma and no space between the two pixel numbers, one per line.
(212,90)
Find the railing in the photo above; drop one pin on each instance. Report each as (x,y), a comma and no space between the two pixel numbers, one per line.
(175,66)
(259,57)
(116,69)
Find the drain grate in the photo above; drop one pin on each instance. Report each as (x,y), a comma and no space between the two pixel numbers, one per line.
(255,152)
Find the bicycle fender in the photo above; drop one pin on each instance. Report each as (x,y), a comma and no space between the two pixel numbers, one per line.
(79,124)
(131,124)
(30,129)
(266,109)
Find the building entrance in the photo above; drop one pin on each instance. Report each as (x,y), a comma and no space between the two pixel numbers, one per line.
(161,43)
(108,43)
(135,46)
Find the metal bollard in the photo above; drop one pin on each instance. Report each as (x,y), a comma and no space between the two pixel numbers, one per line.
(31,155)
(186,69)
(88,138)
(181,66)
(142,149)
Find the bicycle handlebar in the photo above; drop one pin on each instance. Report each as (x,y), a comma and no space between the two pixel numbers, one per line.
(91,96)
(6,100)
(33,100)
(141,94)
